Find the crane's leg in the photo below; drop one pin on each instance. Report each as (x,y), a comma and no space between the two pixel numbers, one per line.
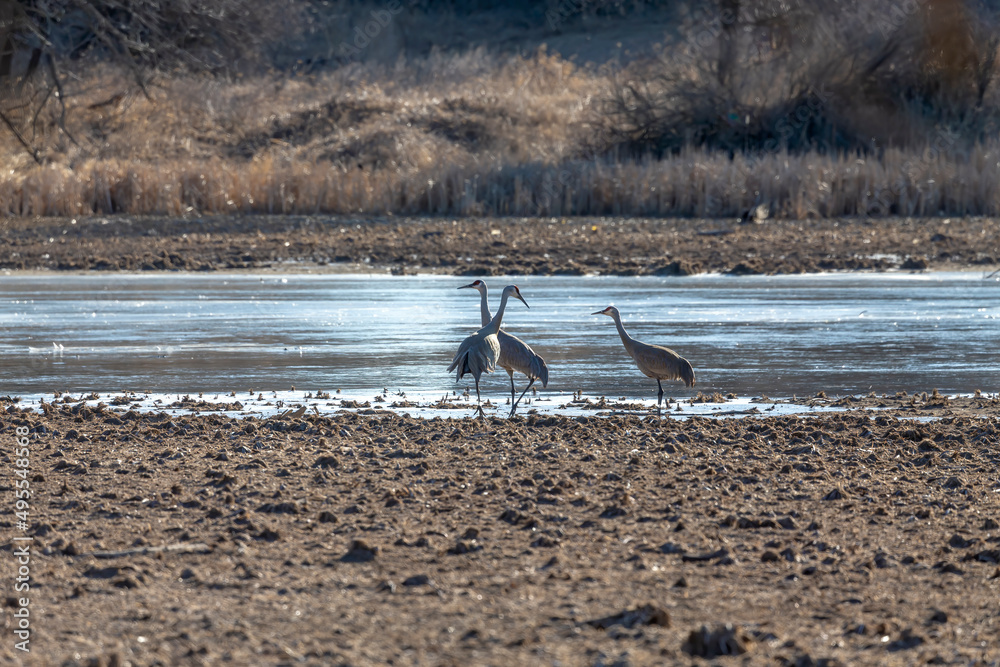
(514,406)
(479,405)
(511,374)
(659,397)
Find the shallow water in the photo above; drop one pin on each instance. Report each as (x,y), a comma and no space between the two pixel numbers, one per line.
(777,336)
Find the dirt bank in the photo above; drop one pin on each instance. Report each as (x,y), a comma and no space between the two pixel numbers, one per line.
(617,246)
(853,538)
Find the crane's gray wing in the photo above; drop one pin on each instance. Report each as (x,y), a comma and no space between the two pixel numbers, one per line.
(477,355)
(540,369)
(487,354)
(662,363)
(687,372)
(516,354)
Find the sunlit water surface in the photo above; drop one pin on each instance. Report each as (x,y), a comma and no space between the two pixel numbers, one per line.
(777,336)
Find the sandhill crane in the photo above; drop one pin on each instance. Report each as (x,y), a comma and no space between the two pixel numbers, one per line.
(478,353)
(515,354)
(655,361)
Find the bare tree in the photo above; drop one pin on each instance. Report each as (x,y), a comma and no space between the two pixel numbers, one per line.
(729,13)
(40,39)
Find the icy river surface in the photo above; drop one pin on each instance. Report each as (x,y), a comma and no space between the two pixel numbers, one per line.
(779,336)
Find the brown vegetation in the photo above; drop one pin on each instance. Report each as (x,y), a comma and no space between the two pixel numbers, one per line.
(823,110)
(845,76)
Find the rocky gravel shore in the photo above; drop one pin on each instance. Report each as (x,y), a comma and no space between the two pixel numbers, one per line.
(863,537)
(521,246)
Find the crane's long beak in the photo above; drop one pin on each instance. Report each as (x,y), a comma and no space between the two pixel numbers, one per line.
(523,301)
(467,286)
(600,312)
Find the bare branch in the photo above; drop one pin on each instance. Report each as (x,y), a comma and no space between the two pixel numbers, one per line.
(17,134)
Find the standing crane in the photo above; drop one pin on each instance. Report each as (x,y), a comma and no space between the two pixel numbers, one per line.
(479,352)
(515,354)
(655,361)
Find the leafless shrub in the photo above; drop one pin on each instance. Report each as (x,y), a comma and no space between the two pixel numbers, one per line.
(472,132)
(839,76)
(44,41)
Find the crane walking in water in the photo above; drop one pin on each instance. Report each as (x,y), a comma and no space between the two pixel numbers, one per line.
(655,361)
(478,353)
(515,354)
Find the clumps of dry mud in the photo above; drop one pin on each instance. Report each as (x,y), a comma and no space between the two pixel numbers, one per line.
(843,539)
(565,246)
(905,405)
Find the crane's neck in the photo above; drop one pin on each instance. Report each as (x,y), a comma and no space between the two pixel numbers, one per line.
(494,325)
(484,306)
(627,340)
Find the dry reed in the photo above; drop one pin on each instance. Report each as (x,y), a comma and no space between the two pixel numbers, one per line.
(697,183)
(459,134)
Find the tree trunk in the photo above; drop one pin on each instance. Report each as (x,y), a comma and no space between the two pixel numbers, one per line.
(729,12)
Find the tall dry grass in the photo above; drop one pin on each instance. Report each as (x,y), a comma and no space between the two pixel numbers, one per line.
(696,183)
(473,133)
